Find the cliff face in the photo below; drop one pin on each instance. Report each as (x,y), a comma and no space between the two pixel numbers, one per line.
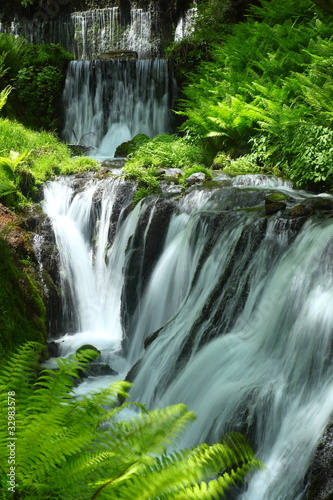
(22,299)
(144,26)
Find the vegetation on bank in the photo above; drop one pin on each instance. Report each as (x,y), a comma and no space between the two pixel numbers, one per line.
(268,92)
(147,162)
(36,74)
(258,98)
(72,447)
(22,311)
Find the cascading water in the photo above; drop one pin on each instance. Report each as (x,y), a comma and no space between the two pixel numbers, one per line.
(109,102)
(89,33)
(241,304)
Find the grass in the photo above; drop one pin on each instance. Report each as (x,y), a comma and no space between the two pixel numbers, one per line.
(42,156)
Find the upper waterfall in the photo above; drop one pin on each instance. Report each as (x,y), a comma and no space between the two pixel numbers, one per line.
(109,102)
(89,33)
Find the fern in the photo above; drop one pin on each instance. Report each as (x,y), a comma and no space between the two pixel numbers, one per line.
(4,94)
(69,447)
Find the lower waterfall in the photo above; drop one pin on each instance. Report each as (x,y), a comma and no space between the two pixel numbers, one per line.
(109,102)
(217,305)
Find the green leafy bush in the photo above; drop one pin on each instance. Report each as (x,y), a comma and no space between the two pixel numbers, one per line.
(22,312)
(270,79)
(72,447)
(37,74)
(30,157)
(193,170)
(164,151)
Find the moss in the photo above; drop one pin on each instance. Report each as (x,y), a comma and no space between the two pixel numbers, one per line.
(22,311)
(126,148)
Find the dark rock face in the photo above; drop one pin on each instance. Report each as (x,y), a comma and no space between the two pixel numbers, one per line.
(275,202)
(320,476)
(163,18)
(144,250)
(47,255)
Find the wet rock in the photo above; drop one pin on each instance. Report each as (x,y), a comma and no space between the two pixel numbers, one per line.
(300,211)
(170,174)
(171,188)
(320,476)
(111,164)
(53,348)
(101,369)
(275,202)
(312,206)
(144,250)
(126,148)
(196,178)
(86,347)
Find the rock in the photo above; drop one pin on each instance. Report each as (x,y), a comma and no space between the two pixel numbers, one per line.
(300,211)
(313,205)
(53,348)
(118,54)
(170,174)
(114,163)
(100,369)
(274,198)
(126,148)
(171,188)
(320,476)
(273,208)
(196,178)
(85,347)
(274,202)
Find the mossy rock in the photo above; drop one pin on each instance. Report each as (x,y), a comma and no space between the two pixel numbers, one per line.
(275,198)
(86,347)
(126,148)
(22,310)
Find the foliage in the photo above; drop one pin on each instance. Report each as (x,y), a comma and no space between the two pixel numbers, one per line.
(22,312)
(193,170)
(246,164)
(126,148)
(69,447)
(37,75)
(4,95)
(40,89)
(29,158)
(271,79)
(212,23)
(164,151)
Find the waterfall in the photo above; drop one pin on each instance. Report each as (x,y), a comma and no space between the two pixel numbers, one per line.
(185,24)
(109,102)
(89,33)
(234,309)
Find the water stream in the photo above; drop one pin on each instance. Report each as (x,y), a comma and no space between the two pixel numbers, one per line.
(242,303)
(109,102)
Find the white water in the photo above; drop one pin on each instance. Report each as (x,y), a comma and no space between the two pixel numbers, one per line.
(185,25)
(109,102)
(89,33)
(245,304)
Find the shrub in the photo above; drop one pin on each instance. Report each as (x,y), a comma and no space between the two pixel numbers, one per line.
(69,447)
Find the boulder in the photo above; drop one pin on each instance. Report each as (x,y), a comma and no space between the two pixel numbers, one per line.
(197,178)
(274,202)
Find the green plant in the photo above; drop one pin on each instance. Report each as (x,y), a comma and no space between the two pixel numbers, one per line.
(22,312)
(4,95)
(164,151)
(193,170)
(37,74)
(69,447)
(40,89)
(270,79)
